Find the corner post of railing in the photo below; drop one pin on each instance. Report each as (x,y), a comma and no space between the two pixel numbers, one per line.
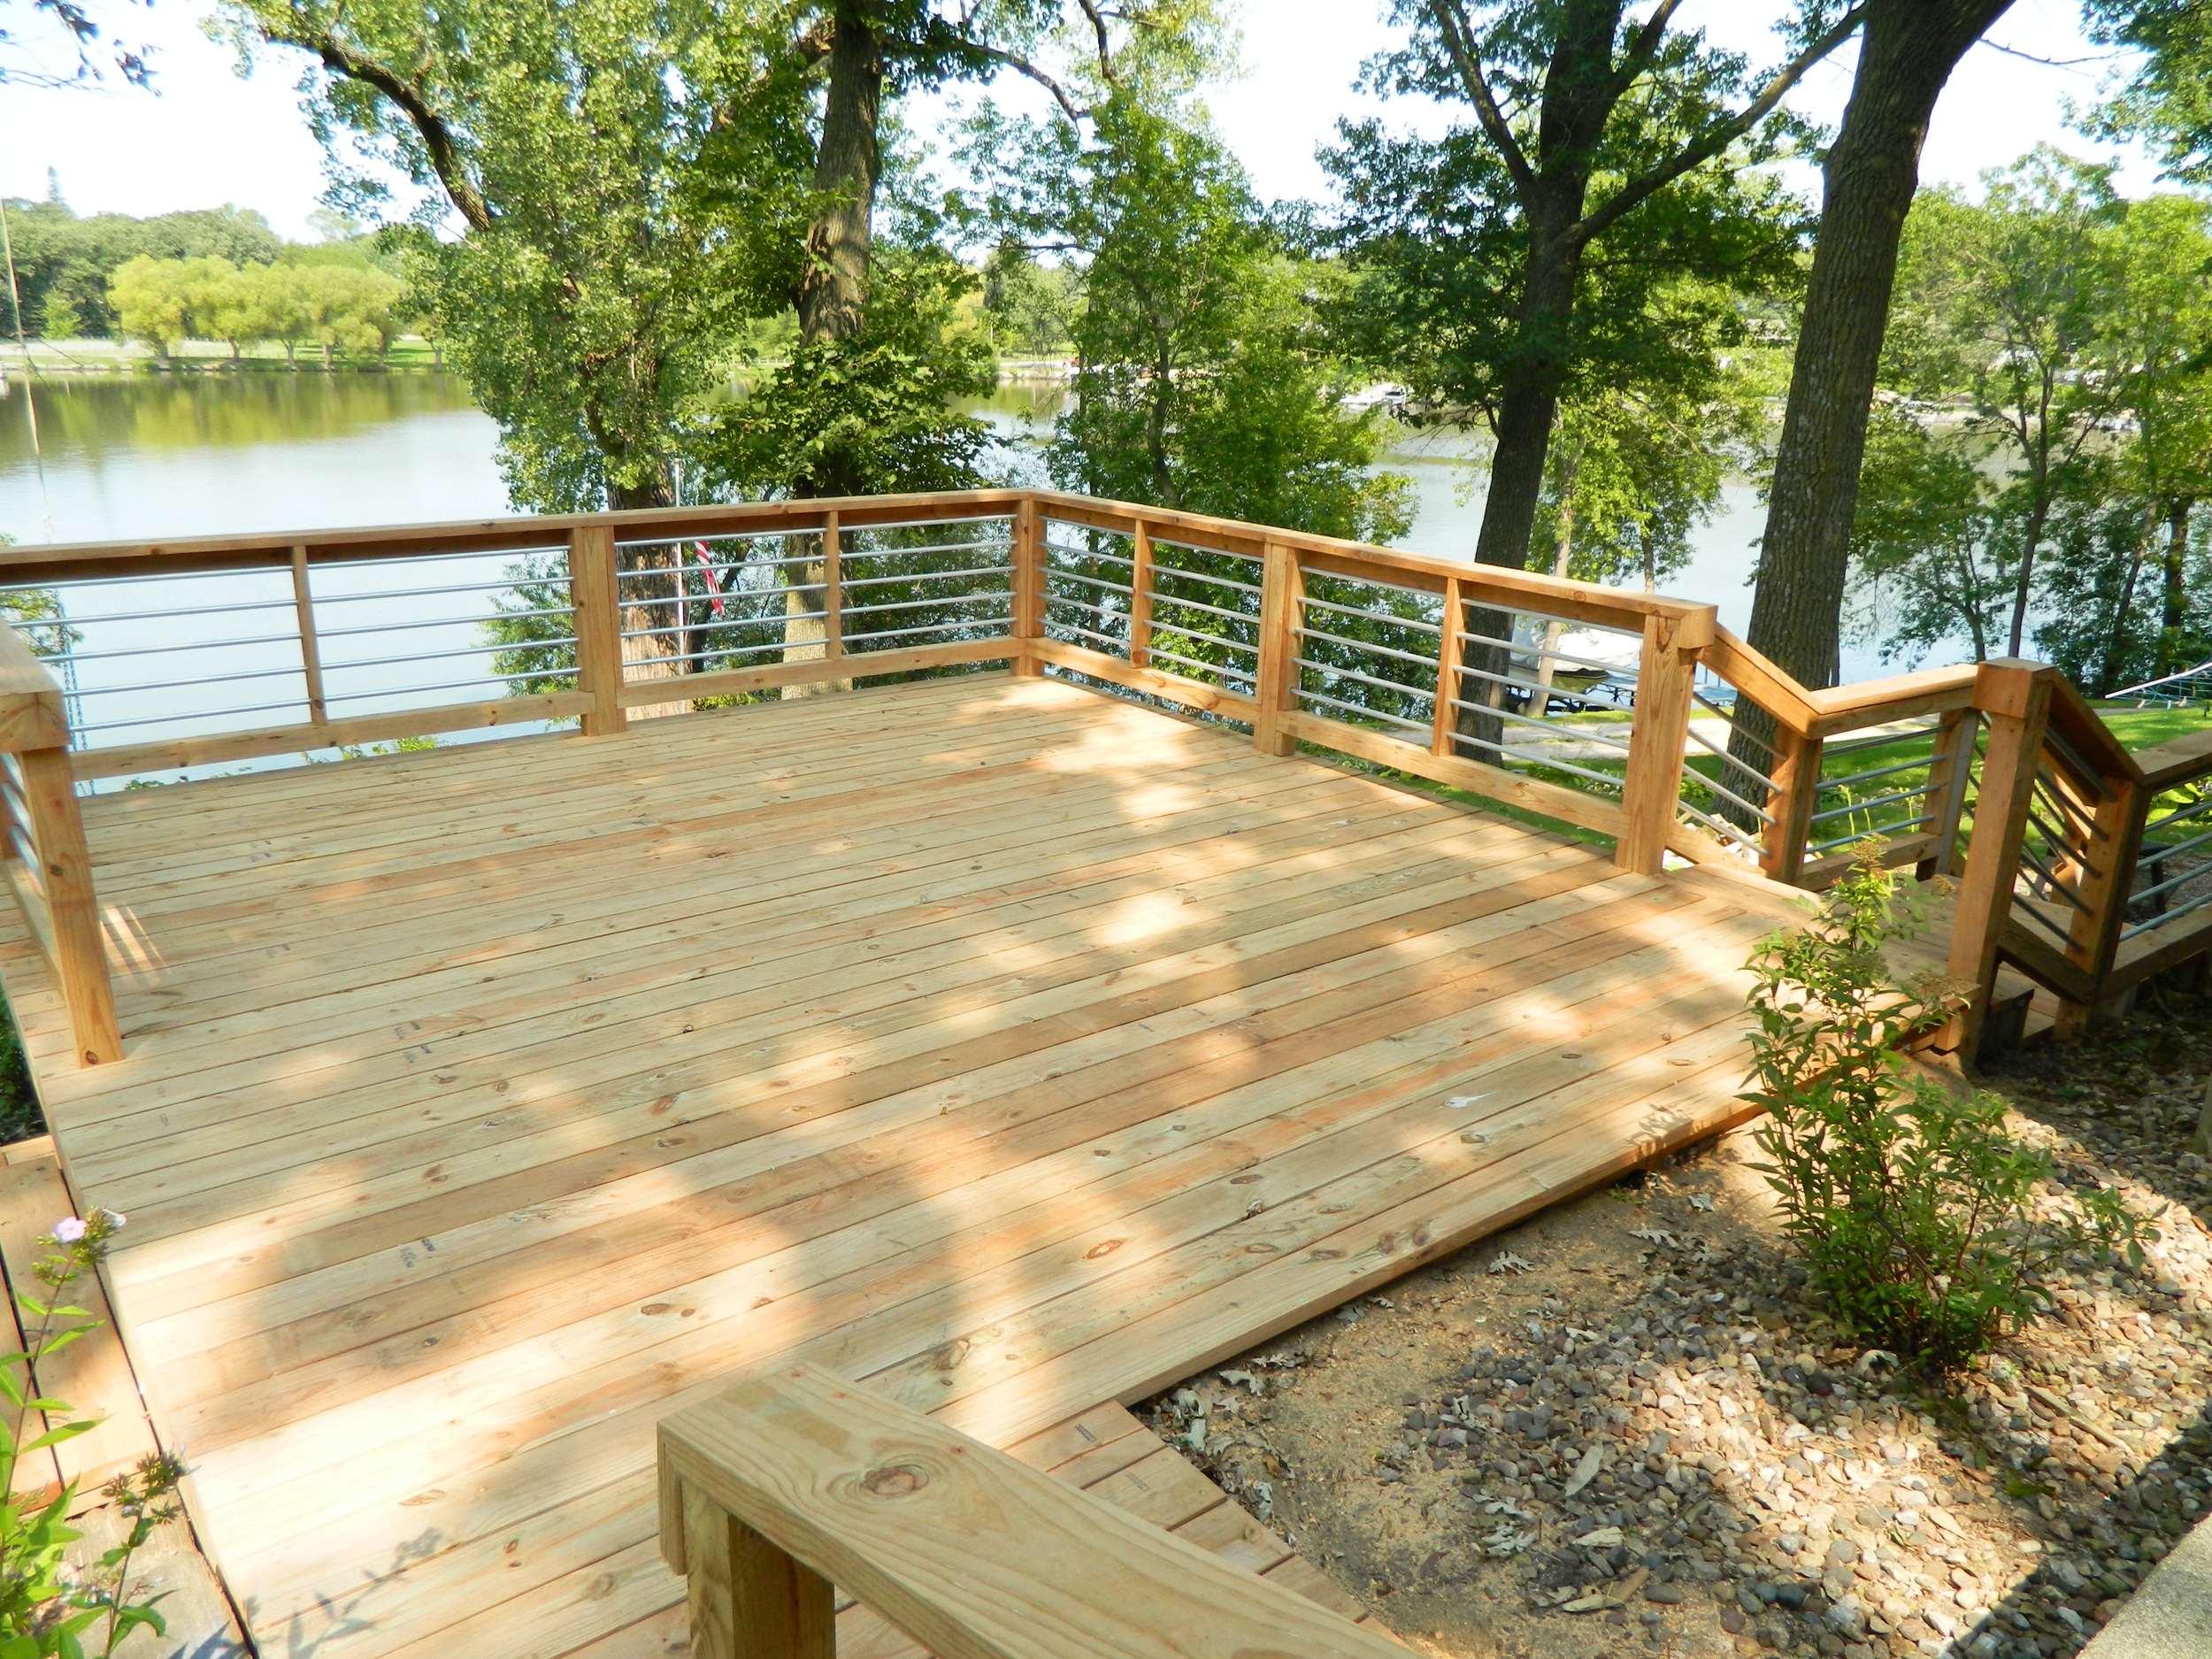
(595,595)
(1793,795)
(1275,682)
(1029,584)
(1950,770)
(73,907)
(1652,790)
(2014,696)
(748,1599)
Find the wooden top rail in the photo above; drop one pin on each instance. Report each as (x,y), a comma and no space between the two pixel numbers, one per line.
(79,560)
(972,1553)
(32,712)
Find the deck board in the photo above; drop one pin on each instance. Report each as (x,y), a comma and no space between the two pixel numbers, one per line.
(1009,1048)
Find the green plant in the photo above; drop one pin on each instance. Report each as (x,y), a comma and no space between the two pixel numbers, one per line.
(1916,1212)
(49,1606)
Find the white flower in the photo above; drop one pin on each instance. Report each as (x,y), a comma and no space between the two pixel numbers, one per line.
(69,1229)
(115,1219)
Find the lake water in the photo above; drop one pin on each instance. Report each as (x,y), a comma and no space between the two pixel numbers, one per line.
(129,459)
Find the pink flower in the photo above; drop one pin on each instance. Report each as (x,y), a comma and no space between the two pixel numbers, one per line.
(69,1229)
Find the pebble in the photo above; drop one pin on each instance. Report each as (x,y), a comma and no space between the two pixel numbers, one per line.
(1739,1445)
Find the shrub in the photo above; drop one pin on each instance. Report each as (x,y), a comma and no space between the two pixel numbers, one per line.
(1916,1212)
(47,1607)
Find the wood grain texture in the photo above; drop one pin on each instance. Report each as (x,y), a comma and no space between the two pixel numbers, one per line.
(974,1553)
(479,1106)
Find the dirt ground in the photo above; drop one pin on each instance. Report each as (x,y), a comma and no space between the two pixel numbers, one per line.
(1622,1428)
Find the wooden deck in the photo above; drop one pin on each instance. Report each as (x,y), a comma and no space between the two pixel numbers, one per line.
(1010,1049)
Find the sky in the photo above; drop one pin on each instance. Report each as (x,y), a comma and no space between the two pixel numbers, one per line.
(206,137)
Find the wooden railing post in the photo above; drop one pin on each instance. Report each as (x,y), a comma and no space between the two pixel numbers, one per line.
(1950,769)
(1140,596)
(833,590)
(311,648)
(1275,685)
(2015,697)
(1793,795)
(2106,874)
(1653,786)
(1029,583)
(596,595)
(1450,649)
(72,908)
(748,1600)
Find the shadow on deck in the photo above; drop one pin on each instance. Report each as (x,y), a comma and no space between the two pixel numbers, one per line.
(1009,1048)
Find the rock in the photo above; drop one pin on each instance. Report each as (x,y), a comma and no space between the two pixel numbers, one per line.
(1732,1621)
(1665,1595)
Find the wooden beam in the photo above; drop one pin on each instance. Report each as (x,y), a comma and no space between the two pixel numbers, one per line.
(1194,694)
(2015,697)
(1275,688)
(817,670)
(32,712)
(311,648)
(1652,788)
(973,1554)
(175,753)
(832,591)
(1492,783)
(596,602)
(1793,793)
(1140,596)
(1450,650)
(73,909)
(1950,770)
(1029,584)
(748,1600)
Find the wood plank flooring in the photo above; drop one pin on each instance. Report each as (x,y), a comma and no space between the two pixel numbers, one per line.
(1012,1050)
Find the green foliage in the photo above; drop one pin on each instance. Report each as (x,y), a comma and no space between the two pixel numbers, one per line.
(2050,430)
(63,263)
(1918,1215)
(348,306)
(47,1606)
(1203,382)
(1632,471)
(869,413)
(1029,307)
(1438,235)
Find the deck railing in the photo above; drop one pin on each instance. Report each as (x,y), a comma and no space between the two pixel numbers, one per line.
(1633,716)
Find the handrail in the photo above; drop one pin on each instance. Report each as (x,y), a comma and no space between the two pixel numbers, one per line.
(48,866)
(1692,744)
(792,1480)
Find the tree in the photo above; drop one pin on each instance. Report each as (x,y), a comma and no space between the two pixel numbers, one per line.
(1906,51)
(149,302)
(1585,122)
(2010,295)
(1030,306)
(1928,563)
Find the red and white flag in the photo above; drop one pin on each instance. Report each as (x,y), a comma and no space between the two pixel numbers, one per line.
(712,578)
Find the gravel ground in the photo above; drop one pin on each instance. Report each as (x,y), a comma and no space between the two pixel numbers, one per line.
(1622,1429)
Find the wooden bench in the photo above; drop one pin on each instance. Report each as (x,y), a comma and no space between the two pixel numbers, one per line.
(793,1480)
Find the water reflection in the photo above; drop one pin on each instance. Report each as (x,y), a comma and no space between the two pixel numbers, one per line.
(210,453)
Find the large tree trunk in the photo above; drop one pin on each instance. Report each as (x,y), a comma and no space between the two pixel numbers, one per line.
(1906,51)
(651,607)
(2024,584)
(832,293)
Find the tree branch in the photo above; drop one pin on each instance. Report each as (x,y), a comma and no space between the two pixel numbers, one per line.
(1722,134)
(1022,66)
(437,137)
(1105,47)
(1460,43)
